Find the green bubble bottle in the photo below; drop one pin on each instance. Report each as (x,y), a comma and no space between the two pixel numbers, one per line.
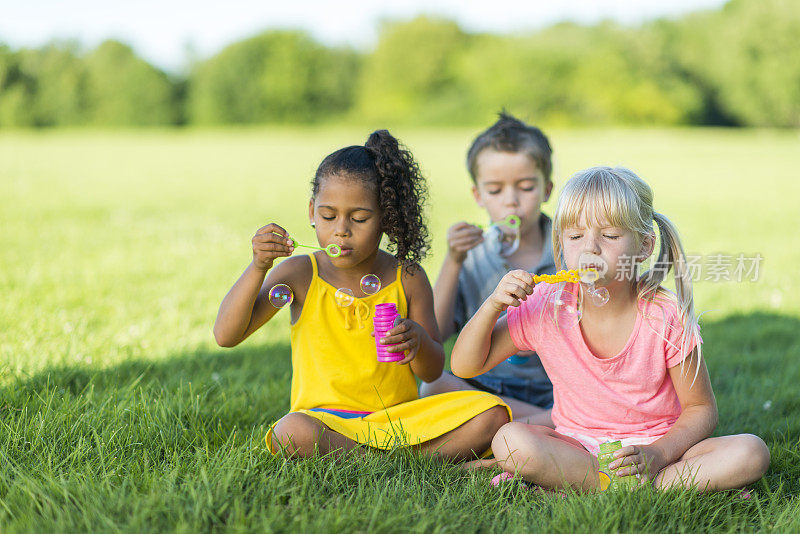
(609,480)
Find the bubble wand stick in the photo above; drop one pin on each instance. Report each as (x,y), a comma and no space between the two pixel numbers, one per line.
(333,250)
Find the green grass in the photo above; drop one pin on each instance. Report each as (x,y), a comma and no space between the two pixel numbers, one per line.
(118,412)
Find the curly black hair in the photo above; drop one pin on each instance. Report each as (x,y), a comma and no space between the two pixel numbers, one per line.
(402,192)
(509,134)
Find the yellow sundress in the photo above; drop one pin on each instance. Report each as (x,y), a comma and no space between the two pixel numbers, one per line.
(335,367)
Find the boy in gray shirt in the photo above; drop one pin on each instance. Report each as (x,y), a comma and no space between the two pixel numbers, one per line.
(510,164)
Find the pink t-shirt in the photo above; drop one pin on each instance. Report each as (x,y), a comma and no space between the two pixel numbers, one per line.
(628,395)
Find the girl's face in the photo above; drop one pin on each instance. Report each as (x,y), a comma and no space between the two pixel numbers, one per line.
(613,251)
(510,183)
(345,211)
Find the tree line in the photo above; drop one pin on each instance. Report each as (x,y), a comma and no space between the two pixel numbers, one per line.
(738,65)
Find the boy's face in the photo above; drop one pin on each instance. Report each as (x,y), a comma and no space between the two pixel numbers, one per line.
(510,183)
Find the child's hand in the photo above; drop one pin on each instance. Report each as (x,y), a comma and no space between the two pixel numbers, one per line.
(270,242)
(643,460)
(406,333)
(514,287)
(461,237)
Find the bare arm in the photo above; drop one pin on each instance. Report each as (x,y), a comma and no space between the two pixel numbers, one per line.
(418,333)
(429,363)
(699,415)
(461,237)
(485,341)
(444,296)
(697,421)
(246,307)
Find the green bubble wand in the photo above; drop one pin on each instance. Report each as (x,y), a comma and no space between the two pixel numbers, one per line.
(512,221)
(333,250)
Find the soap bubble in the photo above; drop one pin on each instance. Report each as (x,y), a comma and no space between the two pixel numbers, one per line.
(506,237)
(599,296)
(370,284)
(563,308)
(344,297)
(509,241)
(280,295)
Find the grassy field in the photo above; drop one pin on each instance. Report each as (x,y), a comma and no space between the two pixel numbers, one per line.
(119,413)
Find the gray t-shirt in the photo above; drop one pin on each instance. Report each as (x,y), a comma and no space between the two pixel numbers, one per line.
(480,273)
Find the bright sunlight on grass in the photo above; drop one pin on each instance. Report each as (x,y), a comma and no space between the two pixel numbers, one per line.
(118,411)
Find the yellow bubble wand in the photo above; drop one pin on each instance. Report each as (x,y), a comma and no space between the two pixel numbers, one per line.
(599,295)
(573,275)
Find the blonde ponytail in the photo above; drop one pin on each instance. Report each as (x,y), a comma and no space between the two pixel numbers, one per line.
(672,257)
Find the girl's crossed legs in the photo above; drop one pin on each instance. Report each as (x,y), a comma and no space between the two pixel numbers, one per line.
(301,436)
(552,460)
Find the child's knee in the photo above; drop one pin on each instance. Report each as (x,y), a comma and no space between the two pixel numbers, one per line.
(296,433)
(486,424)
(754,454)
(502,443)
(496,417)
(513,438)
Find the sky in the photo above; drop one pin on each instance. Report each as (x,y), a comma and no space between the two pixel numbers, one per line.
(168,32)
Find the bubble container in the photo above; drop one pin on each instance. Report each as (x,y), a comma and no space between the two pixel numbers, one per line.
(385,316)
(609,479)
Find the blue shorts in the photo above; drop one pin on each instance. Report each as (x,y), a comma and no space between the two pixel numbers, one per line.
(344,414)
(536,392)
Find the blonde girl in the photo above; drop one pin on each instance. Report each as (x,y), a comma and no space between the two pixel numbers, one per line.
(629,370)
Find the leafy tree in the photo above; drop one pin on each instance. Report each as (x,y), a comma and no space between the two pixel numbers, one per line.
(575,74)
(749,53)
(624,77)
(738,65)
(124,90)
(17,89)
(275,76)
(412,74)
(60,89)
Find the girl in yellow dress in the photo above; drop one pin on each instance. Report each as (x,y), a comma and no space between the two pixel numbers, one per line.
(342,397)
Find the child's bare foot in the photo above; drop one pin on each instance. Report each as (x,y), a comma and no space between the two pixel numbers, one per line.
(502,477)
(479,464)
